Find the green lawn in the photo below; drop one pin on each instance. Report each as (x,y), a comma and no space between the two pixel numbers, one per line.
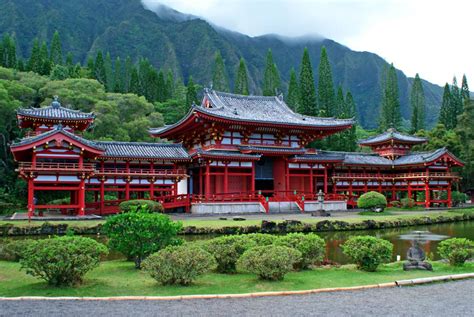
(116,278)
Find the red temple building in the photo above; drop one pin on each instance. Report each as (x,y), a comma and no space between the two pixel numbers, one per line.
(232,153)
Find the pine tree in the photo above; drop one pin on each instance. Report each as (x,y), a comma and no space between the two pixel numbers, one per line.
(44,58)
(340,110)
(307,104)
(350,144)
(220,80)
(326,97)
(118,75)
(34,63)
(109,73)
(456,99)
(11,54)
(56,57)
(169,85)
(390,105)
(241,85)
(271,76)
(446,110)
(99,68)
(134,86)
(8,52)
(161,93)
(417,102)
(293,96)
(127,75)
(191,93)
(90,68)
(21,65)
(465,131)
(465,95)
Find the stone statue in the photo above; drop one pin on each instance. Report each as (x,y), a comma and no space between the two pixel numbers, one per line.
(416,259)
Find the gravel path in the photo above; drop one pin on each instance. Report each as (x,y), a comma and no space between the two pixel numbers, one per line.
(446,299)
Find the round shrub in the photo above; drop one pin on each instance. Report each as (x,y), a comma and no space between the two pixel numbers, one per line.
(137,234)
(368,252)
(270,262)
(62,261)
(456,250)
(262,238)
(179,265)
(14,250)
(152,206)
(311,246)
(227,250)
(372,201)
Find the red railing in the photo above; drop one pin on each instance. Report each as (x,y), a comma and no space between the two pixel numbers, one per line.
(395,176)
(141,171)
(42,166)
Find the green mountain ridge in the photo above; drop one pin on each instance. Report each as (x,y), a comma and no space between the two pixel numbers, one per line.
(187,47)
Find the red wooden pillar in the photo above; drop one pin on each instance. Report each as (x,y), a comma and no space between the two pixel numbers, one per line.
(226,177)
(449,195)
(127,181)
(252,181)
(409,190)
(287,178)
(207,185)
(31,193)
(427,189)
(311,187)
(325,179)
(82,197)
(102,194)
(201,192)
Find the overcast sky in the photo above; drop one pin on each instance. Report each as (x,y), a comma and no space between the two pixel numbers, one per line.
(433,38)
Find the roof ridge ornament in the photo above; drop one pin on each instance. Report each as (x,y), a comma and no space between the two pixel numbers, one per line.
(55,103)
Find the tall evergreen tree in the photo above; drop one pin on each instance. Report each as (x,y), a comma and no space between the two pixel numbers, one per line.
(271,76)
(118,73)
(446,112)
(127,74)
(134,86)
(390,116)
(220,81)
(456,99)
(109,73)
(169,85)
(307,104)
(45,62)
(191,93)
(326,97)
(161,95)
(8,52)
(351,139)
(417,102)
(11,53)
(465,95)
(340,110)
(465,131)
(241,85)
(99,68)
(34,63)
(90,68)
(293,96)
(56,57)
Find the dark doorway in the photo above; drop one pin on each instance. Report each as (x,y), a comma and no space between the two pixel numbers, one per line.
(264,175)
(264,184)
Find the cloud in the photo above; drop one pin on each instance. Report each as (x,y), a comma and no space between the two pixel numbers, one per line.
(428,37)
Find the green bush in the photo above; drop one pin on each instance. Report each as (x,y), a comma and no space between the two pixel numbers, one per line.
(227,250)
(311,246)
(262,238)
(179,265)
(372,201)
(60,201)
(456,250)
(458,198)
(407,203)
(139,233)
(270,262)
(14,250)
(152,206)
(396,204)
(368,252)
(62,261)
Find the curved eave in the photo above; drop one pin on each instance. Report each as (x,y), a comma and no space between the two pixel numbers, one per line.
(242,158)
(132,158)
(313,160)
(395,140)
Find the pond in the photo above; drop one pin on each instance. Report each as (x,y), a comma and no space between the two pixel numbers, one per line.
(335,239)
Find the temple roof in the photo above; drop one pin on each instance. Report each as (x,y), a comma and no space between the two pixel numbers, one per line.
(143,150)
(255,109)
(392,134)
(225,154)
(270,149)
(55,112)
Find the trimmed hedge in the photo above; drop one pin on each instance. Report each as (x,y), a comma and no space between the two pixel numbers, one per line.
(368,252)
(62,261)
(456,250)
(227,250)
(311,246)
(372,201)
(269,262)
(14,250)
(179,265)
(152,206)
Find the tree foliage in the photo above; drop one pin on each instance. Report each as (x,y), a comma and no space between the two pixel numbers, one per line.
(241,85)
(417,102)
(390,116)
(293,96)
(326,96)
(271,76)
(368,252)
(220,80)
(308,103)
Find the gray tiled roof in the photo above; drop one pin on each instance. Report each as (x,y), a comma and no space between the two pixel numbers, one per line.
(255,148)
(420,157)
(392,134)
(58,129)
(55,111)
(230,154)
(143,150)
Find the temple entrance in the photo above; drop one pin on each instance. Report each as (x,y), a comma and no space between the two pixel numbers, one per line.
(264,176)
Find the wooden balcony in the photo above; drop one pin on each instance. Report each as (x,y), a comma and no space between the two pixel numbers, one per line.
(63,168)
(141,172)
(393,177)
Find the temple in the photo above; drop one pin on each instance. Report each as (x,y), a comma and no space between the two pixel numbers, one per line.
(231,153)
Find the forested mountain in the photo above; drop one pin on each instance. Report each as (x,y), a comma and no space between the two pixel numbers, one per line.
(125,28)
